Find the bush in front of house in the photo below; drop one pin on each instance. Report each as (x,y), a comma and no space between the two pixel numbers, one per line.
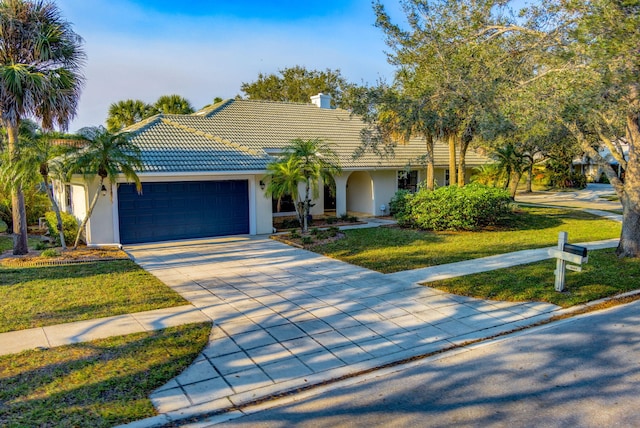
(458,208)
(399,207)
(69,227)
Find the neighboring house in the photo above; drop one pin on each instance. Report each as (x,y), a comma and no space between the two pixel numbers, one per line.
(204,173)
(594,170)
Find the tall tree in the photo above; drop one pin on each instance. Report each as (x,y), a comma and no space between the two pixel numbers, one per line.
(40,62)
(127,112)
(394,117)
(172,104)
(107,155)
(303,162)
(297,84)
(445,62)
(587,51)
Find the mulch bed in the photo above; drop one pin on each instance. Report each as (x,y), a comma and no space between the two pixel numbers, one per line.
(79,255)
(297,242)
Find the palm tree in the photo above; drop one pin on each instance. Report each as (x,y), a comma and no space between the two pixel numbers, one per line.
(285,177)
(39,156)
(40,61)
(173,104)
(511,162)
(106,155)
(39,153)
(302,161)
(126,113)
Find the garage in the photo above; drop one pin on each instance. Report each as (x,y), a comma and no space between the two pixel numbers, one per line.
(183,210)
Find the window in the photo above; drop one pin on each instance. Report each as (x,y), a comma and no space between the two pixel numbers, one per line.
(68,199)
(285,205)
(408,180)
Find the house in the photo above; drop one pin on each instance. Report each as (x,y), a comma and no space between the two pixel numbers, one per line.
(593,170)
(203,174)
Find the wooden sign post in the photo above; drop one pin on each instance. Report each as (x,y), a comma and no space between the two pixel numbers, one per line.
(567,253)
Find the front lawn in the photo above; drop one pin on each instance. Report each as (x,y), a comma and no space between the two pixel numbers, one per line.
(394,249)
(102,383)
(40,296)
(604,275)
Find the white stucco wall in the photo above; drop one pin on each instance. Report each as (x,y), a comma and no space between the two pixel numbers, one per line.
(263,210)
(385,184)
(360,192)
(79,203)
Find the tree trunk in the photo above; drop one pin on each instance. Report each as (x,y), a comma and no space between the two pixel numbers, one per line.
(18,210)
(462,164)
(430,179)
(529,178)
(56,209)
(86,217)
(307,207)
(513,186)
(508,178)
(451,140)
(629,245)
(19,214)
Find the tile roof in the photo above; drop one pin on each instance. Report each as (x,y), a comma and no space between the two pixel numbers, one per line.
(237,135)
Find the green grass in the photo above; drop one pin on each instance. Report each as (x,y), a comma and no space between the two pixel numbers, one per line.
(39,296)
(603,276)
(394,249)
(95,384)
(6,243)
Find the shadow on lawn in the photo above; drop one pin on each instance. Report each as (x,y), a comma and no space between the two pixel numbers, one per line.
(16,275)
(95,383)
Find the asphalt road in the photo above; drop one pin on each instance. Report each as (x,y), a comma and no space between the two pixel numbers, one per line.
(581,372)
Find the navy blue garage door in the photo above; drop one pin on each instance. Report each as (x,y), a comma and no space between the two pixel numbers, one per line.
(182,210)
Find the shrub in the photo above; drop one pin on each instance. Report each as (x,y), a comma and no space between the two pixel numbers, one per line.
(459,208)
(289,223)
(399,207)
(3,226)
(36,206)
(294,234)
(333,231)
(315,231)
(307,240)
(41,245)
(51,252)
(69,227)
(332,220)
(5,215)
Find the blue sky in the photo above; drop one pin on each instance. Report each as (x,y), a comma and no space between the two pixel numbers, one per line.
(204,49)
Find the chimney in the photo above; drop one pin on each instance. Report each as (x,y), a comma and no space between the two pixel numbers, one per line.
(321,100)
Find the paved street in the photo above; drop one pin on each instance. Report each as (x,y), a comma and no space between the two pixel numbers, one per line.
(581,372)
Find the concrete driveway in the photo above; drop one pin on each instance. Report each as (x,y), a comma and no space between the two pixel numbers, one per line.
(286,318)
